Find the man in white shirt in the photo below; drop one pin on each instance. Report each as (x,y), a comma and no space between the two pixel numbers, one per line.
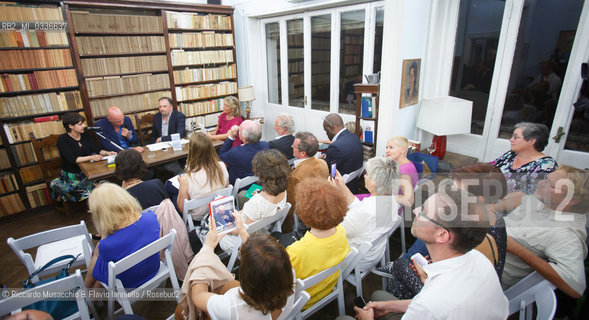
(461,283)
(547,232)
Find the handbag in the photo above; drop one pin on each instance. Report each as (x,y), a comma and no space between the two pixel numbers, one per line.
(58,309)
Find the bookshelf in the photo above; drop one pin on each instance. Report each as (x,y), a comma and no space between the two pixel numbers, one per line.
(367,94)
(202,63)
(127,53)
(38,81)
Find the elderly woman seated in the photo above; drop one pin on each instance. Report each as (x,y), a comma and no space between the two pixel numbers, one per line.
(368,219)
(321,206)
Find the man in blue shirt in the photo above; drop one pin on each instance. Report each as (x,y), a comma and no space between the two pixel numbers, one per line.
(119,129)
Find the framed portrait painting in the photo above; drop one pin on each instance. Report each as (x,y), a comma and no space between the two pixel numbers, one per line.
(410,82)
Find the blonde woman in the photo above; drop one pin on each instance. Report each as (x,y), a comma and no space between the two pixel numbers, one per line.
(117,216)
(205,173)
(230,117)
(396,150)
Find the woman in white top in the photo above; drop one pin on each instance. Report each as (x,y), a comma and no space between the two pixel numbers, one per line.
(205,173)
(272,168)
(266,280)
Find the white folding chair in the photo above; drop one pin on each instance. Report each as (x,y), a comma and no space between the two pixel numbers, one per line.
(73,282)
(361,271)
(152,209)
(242,183)
(301,297)
(196,203)
(353,175)
(126,296)
(291,162)
(338,290)
(50,244)
(274,221)
(532,288)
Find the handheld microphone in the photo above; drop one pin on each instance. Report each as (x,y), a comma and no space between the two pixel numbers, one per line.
(94,128)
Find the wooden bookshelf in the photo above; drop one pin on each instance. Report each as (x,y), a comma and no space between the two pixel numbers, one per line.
(371,92)
(38,78)
(114,52)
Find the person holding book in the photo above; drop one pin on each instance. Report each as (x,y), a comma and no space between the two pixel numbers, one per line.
(75,146)
(167,122)
(118,129)
(131,168)
(231,116)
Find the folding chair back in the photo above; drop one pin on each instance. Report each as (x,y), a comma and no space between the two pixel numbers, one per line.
(50,244)
(532,288)
(73,282)
(242,183)
(196,203)
(166,271)
(300,299)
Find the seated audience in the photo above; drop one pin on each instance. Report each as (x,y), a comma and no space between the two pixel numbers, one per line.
(368,219)
(272,168)
(547,232)
(265,287)
(345,149)
(117,216)
(304,148)
(75,146)
(205,174)
(130,168)
(525,164)
(239,159)
(231,116)
(322,207)
(284,127)
(119,129)
(396,150)
(167,122)
(482,180)
(461,283)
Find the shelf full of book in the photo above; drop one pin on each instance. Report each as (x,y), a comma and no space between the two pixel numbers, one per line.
(202,62)
(367,116)
(37,78)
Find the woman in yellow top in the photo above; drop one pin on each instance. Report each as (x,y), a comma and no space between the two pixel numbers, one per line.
(321,207)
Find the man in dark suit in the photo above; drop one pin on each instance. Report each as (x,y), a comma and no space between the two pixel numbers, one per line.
(284,127)
(173,122)
(239,159)
(119,129)
(345,149)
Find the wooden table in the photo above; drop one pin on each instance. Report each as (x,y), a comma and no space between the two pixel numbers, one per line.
(99,170)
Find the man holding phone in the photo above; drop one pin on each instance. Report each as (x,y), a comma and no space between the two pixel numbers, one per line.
(462,282)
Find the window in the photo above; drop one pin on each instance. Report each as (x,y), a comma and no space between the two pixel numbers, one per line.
(273,62)
(296,62)
(320,61)
(351,58)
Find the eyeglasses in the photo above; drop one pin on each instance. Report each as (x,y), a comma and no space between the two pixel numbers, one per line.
(422,215)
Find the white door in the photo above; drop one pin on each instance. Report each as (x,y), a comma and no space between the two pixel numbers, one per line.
(517,61)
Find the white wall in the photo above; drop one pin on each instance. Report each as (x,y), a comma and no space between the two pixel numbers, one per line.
(405,34)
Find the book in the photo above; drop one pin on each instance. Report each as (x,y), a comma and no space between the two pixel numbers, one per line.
(46,119)
(367,107)
(252,189)
(221,211)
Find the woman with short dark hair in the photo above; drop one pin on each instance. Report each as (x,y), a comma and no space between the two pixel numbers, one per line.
(130,168)
(525,165)
(75,146)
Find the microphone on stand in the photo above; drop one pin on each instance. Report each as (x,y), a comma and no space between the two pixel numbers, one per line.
(94,128)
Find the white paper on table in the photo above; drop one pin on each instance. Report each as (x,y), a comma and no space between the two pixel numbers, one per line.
(110,159)
(184,141)
(158,146)
(175,182)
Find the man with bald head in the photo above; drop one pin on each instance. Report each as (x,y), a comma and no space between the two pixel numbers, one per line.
(345,149)
(119,129)
(239,159)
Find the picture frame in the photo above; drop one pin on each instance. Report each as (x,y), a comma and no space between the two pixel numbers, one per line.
(410,82)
